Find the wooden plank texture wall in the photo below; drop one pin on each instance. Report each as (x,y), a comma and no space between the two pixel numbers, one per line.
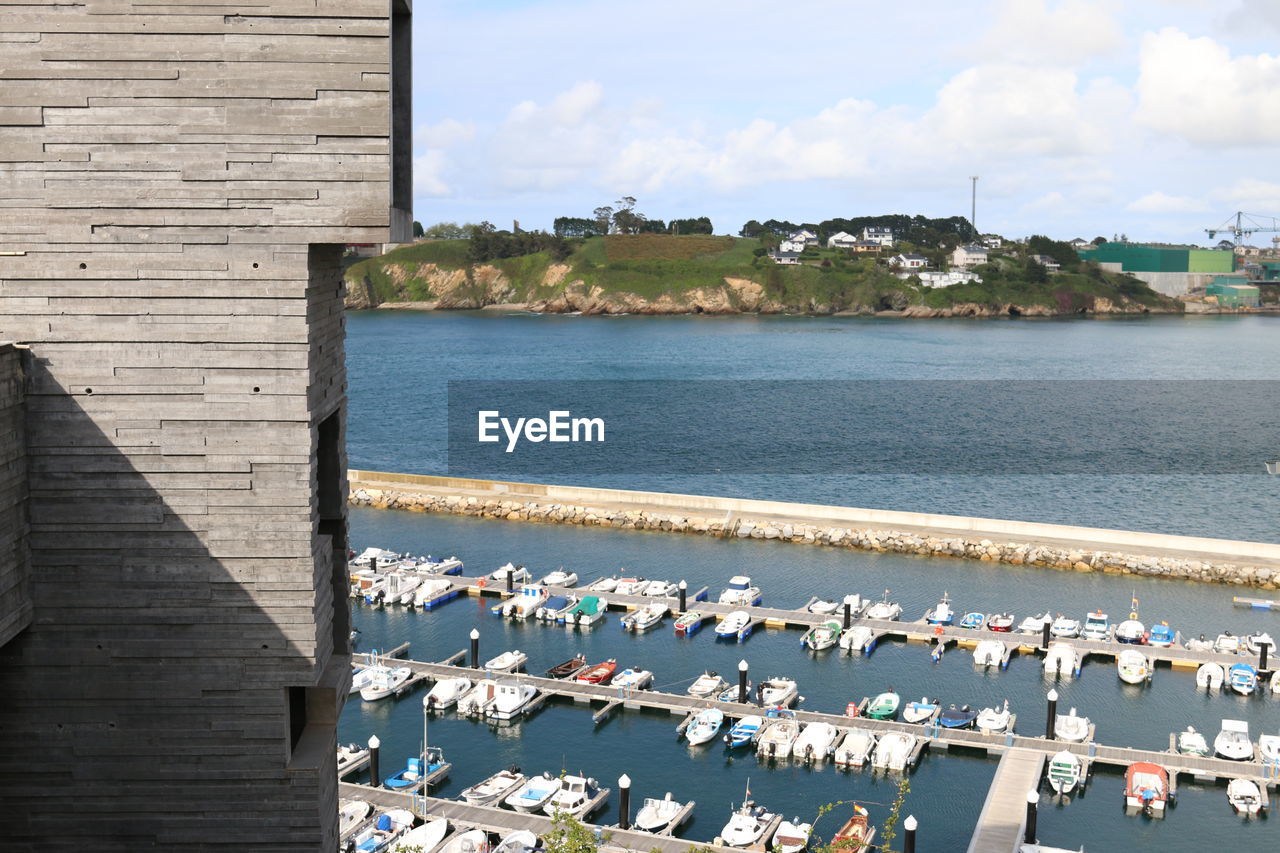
(176,179)
(15,597)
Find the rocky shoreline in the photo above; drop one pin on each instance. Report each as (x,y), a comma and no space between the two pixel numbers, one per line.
(865,539)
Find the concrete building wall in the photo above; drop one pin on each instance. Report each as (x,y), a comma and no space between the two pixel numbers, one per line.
(178,180)
(15,597)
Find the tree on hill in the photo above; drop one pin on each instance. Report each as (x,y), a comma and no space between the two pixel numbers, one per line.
(1063,253)
(575,226)
(417,228)
(626,219)
(698,225)
(448,231)
(604,218)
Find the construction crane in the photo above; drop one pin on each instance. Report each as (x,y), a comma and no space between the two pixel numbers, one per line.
(1241,225)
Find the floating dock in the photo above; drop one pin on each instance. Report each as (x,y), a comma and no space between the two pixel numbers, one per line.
(1004,814)
(1256,603)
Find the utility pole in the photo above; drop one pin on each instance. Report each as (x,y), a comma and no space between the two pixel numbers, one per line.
(973,206)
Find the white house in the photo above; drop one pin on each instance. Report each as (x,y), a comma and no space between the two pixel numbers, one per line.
(841,240)
(968,256)
(1081,243)
(909,262)
(932,278)
(796,246)
(1047,262)
(785,258)
(992,241)
(804,236)
(881,235)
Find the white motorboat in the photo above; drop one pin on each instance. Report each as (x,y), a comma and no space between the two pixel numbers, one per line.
(634,679)
(471,841)
(994,720)
(574,797)
(426,837)
(941,614)
(385,681)
(478,699)
(556,608)
(361,678)
(1227,644)
(1133,667)
(792,836)
(561,578)
(740,592)
(815,742)
(349,755)
(533,794)
(1210,676)
(517,841)
(447,566)
(989,653)
(511,661)
(587,612)
(1256,642)
(893,751)
(1191,742)
(822,607)
(1131,631)
(778,737)
(446,692)
(1096,626)
(822,636)
(376,558)
(735,624)
(383,830)
(705,726)
(1071,727)
(656,815)
(1242,678)
(352,813)
(1061,659)
(510,698)
(1245,796)
(527,601)
(920,712)
(519,574)
(1233,741)
(630,586)
(855,748)
(707,685)
(649,616)
(884,609)
(857,638)
(1200,645)
(1065,628)
(777,692)
(1035,624)
(495,788)
(746,826)
(430,590)
(661,589)
(1269,747)
(401,586)
(603,585)
(1065,769)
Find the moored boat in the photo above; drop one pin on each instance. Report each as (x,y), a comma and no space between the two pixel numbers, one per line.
(689,623)
(957,718)
(1096,626)
(382,831)
(352,813)
(994,720)
(1146,788)
(630,585)
(603,585)
(707,685)
(857,639)
(656,815)
(1061,659)
(777,692)
(1191,742)
(1227,643)
(633,679)
(660,589)
(478,699)
(815,742)
(705,726)
(533,794)
(1071,727)
(1161,636)
(792,836)
(1000,622)
(446,692)
(1269,747)
(1233,741)
(510,661)
(494,788)
(735,626)
(384,681)
(556,608)
(1210,676)
(527,601)
(415,772)
(747,825)
(1245,796)
(884,609)
(884,706)
(893,751)
(569,668)
(510,699)
(1256,642)
(1133,667)
(601,673)
(1035,624)
(1065,628)
(777,738)
(989,653)
(517,841)
(433,592)
(1243,679)
(350,755)
(1064,772)
(973,620)
(589,611)
(744,731)
(920,712)
(855,748)
(649,616)
(856,834)
(1200,644)
(518,574)
(941,613)
(740,593)
(471,841)
(575,797)
(823,636)
(561,578)
(1131,631)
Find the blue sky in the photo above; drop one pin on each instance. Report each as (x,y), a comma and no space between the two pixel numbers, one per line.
(1155,118)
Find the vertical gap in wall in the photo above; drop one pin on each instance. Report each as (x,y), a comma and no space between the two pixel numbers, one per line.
(331,502)
(297,699)
(401,121)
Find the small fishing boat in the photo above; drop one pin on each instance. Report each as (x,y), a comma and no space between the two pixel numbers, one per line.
(633,679)
(415,772)
(510,661)
(973,620)
(495,788)
(1131,631)
(730,694)
(1061,659)
(744,731)
(384,681)
(857,639)
(447,566)
(1200,644)
(741,593)
(1065,628)
(1001,622)
(471,841)
(994,720)
(1245,796)
(601,673)
(556,608)
(689,623)
(815,742)
(823,636)
(822,607)
(1071,727)
(603,585)
(587,612)
(707,685)
(1146,788)
(1191,742)
(352,813)
(792,836)
(856,834)
(1255,643)
(705,726)
(778,737)
(855,748)
(777,692)
(517,841)
(941,613)
(746,826)
(380,833)
(350,755)
(478,699)
(561,578)
(575,796)
(533,794)
(446,692)
(519,574)
(569,668)
(893,751)
(1162,636)
(884,609)
(656,815)
(510,699)
(1269,747)
(1096,626)
(433,592)
(376,558)
(920,712)
(1035,624)
(1233,741)
(660,589)
(884,706)
(1210,676)
(1227,643)
(401,587)
(1242,678)
(630,586)
(1133,667)
(649,616)
(734,626)
(527,601)
(989,653)
(1065,770)
(957,718)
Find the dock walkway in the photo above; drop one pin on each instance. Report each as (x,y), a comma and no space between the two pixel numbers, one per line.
(1004,814)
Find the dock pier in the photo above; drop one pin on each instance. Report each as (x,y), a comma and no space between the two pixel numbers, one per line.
(1004,813)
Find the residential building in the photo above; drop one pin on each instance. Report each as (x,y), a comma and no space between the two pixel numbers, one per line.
(968,256)
(866,247)
(804,236)
(788,245)
(992,241)
(1046,261)
(909,261)
(841,240)
(935,278)
(881,235)
(785,258)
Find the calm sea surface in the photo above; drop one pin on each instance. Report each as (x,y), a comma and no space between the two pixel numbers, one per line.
(398,365)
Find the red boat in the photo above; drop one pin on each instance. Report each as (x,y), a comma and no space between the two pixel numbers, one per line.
(601,673)
(1002,622)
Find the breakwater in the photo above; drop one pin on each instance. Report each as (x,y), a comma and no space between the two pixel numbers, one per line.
(1015,543)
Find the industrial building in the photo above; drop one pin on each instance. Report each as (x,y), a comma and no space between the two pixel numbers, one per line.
(1173,271)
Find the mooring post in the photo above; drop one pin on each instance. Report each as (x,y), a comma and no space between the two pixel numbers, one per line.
(909,842)
(684,592)
(1052,717)
(624,801)
(374,777)
(848,615)
(511,579)
(1044,635)
(1262,657)
(1033,799)
(475,648)
(742,681)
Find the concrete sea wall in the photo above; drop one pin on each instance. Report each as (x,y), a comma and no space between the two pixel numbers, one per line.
(1082,549)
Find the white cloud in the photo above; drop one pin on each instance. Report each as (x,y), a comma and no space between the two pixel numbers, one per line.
(1194,88)
(1160,202)
(428,179)
(1251,194)
(1031,32)
(444,134)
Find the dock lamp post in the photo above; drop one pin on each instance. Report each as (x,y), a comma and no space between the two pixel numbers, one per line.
(909,842)
(374,743)
(426,765)
(742,681)
(1033,800)
(624,801)
(1052,716)
(684,592)
(475,648)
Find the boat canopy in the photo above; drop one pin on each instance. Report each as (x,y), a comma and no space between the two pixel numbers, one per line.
(739,582)
(589,605)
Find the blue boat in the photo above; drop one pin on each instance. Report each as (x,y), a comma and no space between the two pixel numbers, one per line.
(1243,678)
(957,718)
(973,621)
(941,614)
(1162,635)
(744,731)
(412,776)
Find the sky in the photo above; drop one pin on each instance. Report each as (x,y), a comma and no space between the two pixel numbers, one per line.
(1152,118)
